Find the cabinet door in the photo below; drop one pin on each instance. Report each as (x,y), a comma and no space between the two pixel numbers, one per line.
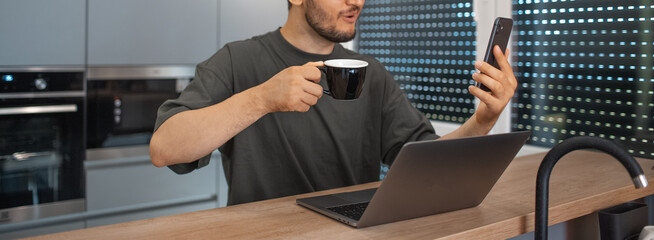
(135,182)
(152,31)
(126,187)
(243,19)
(42,32)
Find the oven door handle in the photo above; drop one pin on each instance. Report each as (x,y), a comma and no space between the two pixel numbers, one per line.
(38,109)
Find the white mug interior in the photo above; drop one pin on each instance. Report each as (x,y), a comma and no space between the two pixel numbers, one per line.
(346,63)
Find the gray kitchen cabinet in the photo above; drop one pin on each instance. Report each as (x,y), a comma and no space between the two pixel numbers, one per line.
(42,32)
(124,186)
(243,19)
(151,32)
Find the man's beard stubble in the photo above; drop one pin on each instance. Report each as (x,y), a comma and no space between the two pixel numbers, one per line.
(314,15)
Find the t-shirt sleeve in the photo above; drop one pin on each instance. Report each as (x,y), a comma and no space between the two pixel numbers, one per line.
(401,122)
(213,83)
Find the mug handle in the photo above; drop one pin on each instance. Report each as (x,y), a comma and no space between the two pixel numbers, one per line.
(324,70)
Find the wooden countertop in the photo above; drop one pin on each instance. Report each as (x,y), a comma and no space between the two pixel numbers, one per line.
(581,183)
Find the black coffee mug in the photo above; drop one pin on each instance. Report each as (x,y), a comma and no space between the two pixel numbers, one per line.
(345,78)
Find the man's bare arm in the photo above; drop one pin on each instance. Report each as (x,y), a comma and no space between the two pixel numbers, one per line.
(190,135)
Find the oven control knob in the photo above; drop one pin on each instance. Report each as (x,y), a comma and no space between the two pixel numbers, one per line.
(40,84)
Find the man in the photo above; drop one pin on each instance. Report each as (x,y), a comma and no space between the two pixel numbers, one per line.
(259,101)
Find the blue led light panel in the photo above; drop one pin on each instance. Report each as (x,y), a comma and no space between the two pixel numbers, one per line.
(585,68)
(429,47)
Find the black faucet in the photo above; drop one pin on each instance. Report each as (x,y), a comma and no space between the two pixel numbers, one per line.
(569,145)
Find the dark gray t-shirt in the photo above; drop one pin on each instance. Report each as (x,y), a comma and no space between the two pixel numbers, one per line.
(334,144)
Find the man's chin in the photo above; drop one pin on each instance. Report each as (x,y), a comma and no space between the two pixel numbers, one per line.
(350,29)
(339,33)
(337,36)
(346,36)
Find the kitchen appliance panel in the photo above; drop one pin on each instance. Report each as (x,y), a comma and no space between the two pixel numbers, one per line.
(41,140)
(123,102)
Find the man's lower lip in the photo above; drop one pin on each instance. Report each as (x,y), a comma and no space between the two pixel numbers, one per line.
(350,19)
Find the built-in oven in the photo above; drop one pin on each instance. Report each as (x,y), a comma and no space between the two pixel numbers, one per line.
(41,142)
(123,102)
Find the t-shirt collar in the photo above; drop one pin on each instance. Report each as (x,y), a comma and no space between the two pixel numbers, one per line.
(289,48)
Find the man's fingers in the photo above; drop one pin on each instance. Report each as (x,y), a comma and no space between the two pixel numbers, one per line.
(311,72)
(483,96)
(315,64)
(513,81)
(490,83)
(313,89)
(505,67)
(309,100)
(488,69)
(501,59)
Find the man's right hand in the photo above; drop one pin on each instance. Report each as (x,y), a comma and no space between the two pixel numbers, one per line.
(293,89)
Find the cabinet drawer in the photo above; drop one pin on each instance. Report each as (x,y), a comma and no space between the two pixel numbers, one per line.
(134,180)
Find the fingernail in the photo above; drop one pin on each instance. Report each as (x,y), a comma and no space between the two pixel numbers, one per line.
(478,64)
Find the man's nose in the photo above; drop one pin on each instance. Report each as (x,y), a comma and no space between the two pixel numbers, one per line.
(356,2)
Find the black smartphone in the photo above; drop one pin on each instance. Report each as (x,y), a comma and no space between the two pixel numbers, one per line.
(499,36)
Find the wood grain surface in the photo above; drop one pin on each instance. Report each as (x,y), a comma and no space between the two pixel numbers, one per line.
(581,183)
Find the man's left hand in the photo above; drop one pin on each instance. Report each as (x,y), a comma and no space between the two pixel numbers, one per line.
(501,82)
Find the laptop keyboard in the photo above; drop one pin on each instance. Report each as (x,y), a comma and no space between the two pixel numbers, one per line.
(353,211)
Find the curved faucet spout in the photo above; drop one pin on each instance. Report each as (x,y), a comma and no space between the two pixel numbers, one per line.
(569,145)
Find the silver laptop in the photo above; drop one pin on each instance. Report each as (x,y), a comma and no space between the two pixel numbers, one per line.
(426,178)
